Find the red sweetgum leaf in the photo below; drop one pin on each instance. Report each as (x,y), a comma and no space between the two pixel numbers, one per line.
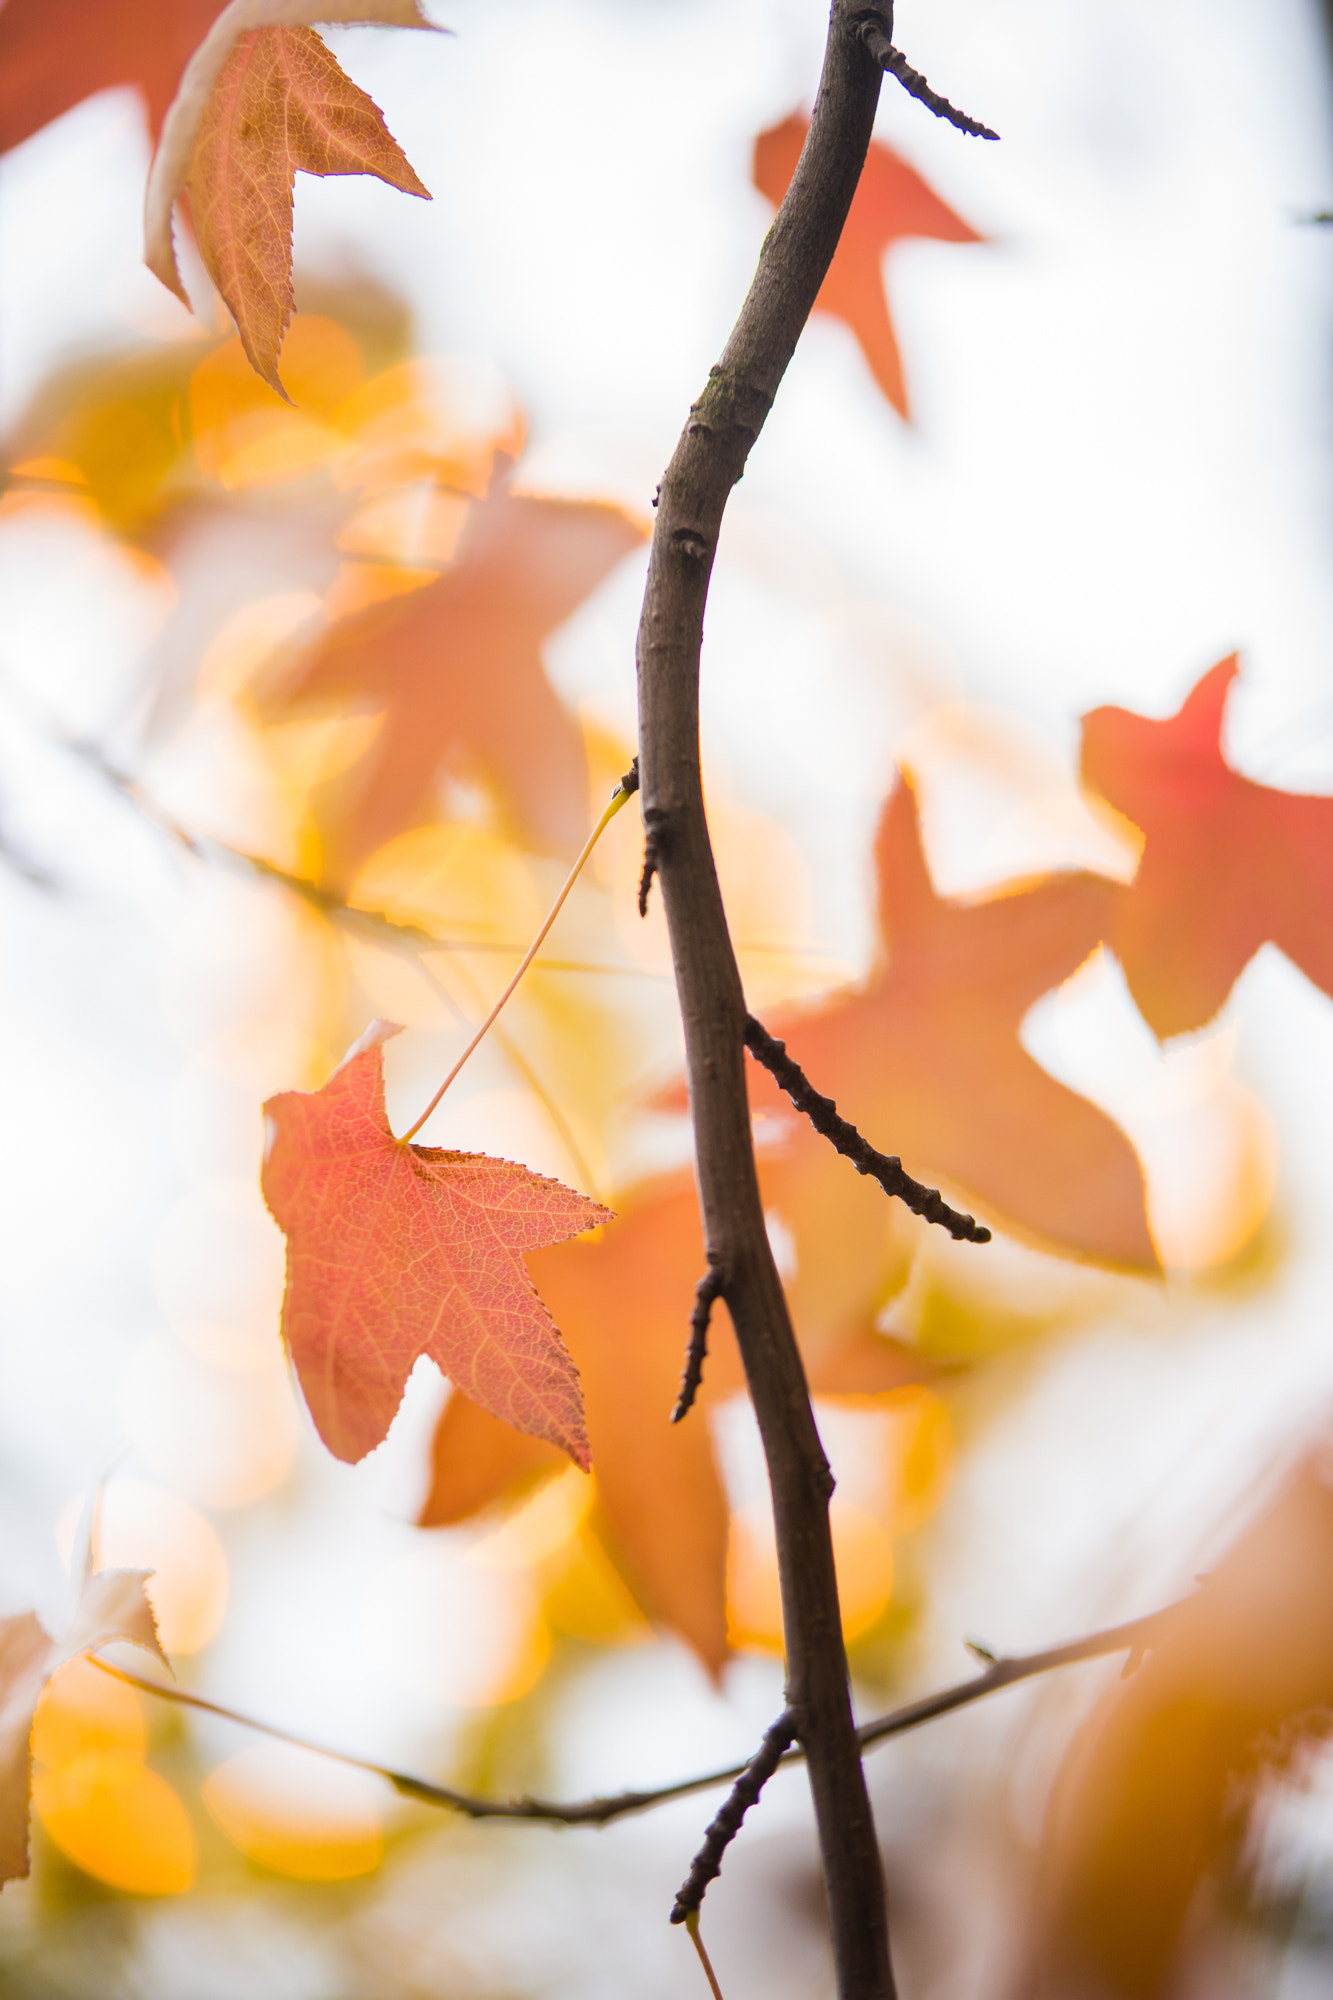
(261,98)
(1227,865)
(457,667)
(891,202)
(112,1605)
(54,53)
(395,1251)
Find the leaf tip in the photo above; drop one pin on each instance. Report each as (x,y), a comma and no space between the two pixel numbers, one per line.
(373,1036)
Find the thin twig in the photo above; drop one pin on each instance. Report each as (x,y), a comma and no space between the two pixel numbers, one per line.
(1134,1638)
(886,1168)
(726,1824)
(708,1289)
(895,63)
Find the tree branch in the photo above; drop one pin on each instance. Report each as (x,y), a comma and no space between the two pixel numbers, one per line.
(706,1292)
(726,1824)
(707,462)
(894,63)
(1135,1638)
(886,1168)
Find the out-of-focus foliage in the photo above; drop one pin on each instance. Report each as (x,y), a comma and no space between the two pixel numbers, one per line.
(1227,864)
(1153,1798)
(455,665)
(53,53)
(350,701)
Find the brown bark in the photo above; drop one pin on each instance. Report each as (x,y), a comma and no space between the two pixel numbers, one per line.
(708,461)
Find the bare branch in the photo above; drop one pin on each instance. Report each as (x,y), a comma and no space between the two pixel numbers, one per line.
(709,1288)
(708,460)
(1135,1638)
(886,1168)
(707,1863)
(895,64)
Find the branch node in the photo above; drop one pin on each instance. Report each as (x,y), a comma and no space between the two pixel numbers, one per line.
(707,1862)
(895,64)
(629,784)
(886,1168)
(688,540)
(982,1653)
(709,1288)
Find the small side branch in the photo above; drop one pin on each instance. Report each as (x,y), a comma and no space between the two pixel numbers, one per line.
(886,1168)
(707,1862)
(1136,1638)
(895,64)
(709,1288)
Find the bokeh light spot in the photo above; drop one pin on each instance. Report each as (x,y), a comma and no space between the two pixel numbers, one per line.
(118,1821)
(298,1813)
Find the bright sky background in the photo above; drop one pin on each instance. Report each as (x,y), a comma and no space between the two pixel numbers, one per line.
(1119,471)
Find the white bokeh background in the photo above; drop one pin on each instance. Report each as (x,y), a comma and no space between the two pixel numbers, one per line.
(1119,470)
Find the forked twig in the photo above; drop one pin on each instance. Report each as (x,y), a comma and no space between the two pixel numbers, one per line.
(886,1168)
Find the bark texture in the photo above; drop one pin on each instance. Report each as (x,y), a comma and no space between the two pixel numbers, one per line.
(708,461)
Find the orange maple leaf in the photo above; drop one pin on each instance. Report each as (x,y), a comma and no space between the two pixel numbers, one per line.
(112,1605)
(926,1060)
(54,53)
(1227,865)
(253,108)
(395,1251)
(457,666)
(891,202)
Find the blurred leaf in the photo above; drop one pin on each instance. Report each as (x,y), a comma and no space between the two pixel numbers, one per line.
(457,665)
(928,1063)
(395,1251)
(54,53)
(1146,1804)
(1227,865)
(891,202)
(111,431)
(233,141)
(147,436)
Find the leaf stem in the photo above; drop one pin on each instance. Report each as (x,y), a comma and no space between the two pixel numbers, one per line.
(628,785)
(692,1926)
